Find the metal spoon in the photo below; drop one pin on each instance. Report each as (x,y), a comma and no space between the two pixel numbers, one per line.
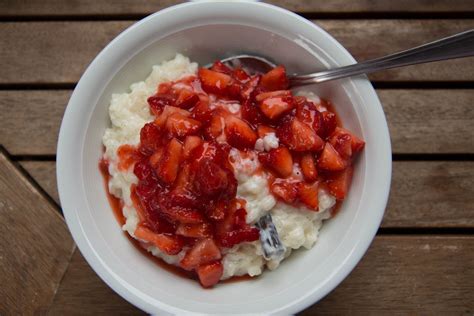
(455,46)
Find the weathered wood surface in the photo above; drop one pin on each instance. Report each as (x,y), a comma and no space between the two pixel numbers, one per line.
(402,274)
(35,245)
(420,121)
(71,46)
(51,8)
(423,194)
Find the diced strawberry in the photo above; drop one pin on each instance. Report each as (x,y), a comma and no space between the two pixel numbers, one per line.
(357,144)
(272,94)
(217,211)
(180,126)
(239,134)
(263,130)
(308,194)
(150,138)
(183,179)
(308,167)
(215,127)
(200,230)
(182,215)
(137,203)
(167,112)
(191,143)
(249,87)
(306,112)
(204,251)
(169,244)
(276,106)
(278,159)
(234,89)
(187,99)
(251,113)
(240,74)
(214,82)
(169,163)
(182,197)
(156,157)
(157,102)
(212,180)
(331,160)
(202,112)
(240,218)
(298,136)
(329,124)
(164,88)
(286,190)
(275,79)
(143,170)
(127,155)
(240,235)
(221,67)
(338,183)
(210,274)
(342,143)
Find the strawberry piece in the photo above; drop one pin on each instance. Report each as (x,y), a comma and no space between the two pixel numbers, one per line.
(338,183)
(169,244)
(191,143)
(286,190)
(249,87)
(143,170)
(278,159)
(202,112)
(298,136)
(240,218)
(210,274)
(183,179)
(157,102)
(182,215)
(215,127)
(342,143)
(308,167)
(180,126)
(156,157)
(240,74)
(234,90)
(212,180)
(213,81)
(235,237)
(200,230)
(357,144)
(263,130)
(251,113)
(275,79)
(150,138)
(164,88)
(127,155)
(329,123)
(239,134)
(308,194)
(167,169)
(167,112)
(306,112)
(220,67)
(217,211)
(276,106)
(272,94)
(331,160)
(204,251)
(187,99)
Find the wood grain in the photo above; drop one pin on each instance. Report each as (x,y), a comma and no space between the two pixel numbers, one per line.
(402,274)
(35,245)
(71,46)
(420,121)
(423,194)
(143,7)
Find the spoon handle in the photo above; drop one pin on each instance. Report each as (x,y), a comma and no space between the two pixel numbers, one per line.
(455,46)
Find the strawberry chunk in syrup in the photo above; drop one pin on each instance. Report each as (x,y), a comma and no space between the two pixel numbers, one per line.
(186,191)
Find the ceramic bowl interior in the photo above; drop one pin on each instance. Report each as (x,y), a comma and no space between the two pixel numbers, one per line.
(205,32)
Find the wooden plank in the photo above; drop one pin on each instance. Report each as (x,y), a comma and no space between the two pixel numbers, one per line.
(393,276)
(444,192)
(35,245)
(44,172)
(420,121)
(143,7)
(62,58)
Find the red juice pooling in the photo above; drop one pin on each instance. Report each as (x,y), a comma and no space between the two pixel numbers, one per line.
(186,191)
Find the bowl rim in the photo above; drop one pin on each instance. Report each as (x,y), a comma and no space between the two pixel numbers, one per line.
(84,244)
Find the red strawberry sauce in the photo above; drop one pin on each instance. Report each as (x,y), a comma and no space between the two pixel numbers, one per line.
(186,191)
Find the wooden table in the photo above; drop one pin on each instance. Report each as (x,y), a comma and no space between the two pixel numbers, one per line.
(422,260)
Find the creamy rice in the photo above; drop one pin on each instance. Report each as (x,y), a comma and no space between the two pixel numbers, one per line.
(297,227)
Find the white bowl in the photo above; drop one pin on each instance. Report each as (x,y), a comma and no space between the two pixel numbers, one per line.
(204,32)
